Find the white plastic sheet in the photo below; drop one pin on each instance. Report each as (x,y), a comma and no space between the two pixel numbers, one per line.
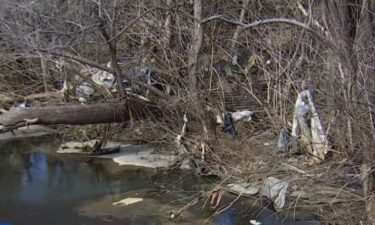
(274,189)
(319,142)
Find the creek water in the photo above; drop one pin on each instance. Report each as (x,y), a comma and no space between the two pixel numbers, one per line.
(40,187)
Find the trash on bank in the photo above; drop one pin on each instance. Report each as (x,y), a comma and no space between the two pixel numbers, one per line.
(127,201)
(85,146)
(272,188)
(186,164)
(76,146)
(313,138)
(275,190)
(229,127)
(106,151)
(236,116)
(254,222)
(282,142)
(243,188)
(239,115)
(141,156)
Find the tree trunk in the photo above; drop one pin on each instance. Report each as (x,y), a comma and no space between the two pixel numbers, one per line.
(352,29)
(112,48)
(43,65)
(76,114)
(365,42)
(168,26)
(197,37)
(341,64)
(237,32)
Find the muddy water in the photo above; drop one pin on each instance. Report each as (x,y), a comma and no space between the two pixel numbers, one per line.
(38,186)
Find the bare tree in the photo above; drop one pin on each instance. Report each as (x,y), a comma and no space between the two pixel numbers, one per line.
(282,47)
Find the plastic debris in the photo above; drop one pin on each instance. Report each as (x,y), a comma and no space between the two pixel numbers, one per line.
(282,142)
(236,116)
(219,119)
(229,127)
(275,190)
(245,114)
(314,138)
(81,147)
(136,73)
(254,222)
(272,188)
(127,201)
(243,188)
(104,78)
(186,164)
(84,91)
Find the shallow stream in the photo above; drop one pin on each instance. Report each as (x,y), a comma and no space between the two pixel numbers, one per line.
(40,187)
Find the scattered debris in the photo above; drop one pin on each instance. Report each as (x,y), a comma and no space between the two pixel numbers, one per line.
(129,155)
(104,78)
(230,118)
(313,137)
(134,73)
(282,142)
(275,190)
(86,146)
(229,127)
(76,147)
(216,198)
(254,222)
(127,201)
(239,115)
(142,156)
(186,164)
(84,91)
(236,116)
(272,188)
(106,151)
(243,188)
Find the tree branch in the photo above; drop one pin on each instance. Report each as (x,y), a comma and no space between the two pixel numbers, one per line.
(113,52)
(274,20)
(122,31)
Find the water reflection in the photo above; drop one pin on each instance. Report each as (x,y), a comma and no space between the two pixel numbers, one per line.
(228,217)
(35,176)
(34,179)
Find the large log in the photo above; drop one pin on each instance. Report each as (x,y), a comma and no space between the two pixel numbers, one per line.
(77,114)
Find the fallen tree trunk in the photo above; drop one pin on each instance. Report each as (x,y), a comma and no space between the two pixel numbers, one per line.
(77,114)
